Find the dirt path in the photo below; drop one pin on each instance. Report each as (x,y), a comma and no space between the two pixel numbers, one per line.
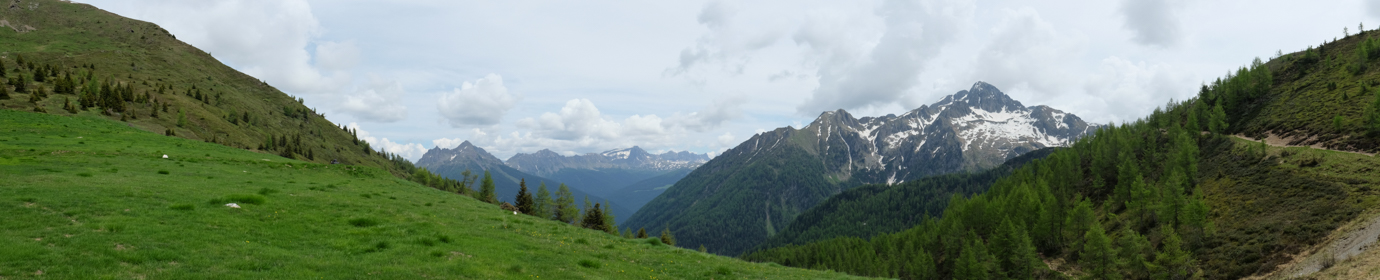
(1344,243)
(1274,140)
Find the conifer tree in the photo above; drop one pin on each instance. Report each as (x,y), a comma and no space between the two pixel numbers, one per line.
(667,237)
(1132,249)
(4,92)
(1217,121)
(486,189)
(1014,251)
(1373,114)
(970,263)
(543,202)
(565,205)
(594,219)
(921,266)
(1079,220)
(524,199)
(1098,258)
(1173,262)
(642,232)
(627,233)
(609,222)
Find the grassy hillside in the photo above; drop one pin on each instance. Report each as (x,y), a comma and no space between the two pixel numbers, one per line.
(136,72)
(87,197)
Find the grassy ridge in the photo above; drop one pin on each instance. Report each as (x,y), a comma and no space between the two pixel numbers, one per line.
(220,104)
(86,197)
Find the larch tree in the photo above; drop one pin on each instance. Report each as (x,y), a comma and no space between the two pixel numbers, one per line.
(565,205)
(486,189)
(544,202)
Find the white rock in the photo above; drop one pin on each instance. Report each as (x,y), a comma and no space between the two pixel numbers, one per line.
(514,212)
(165,156)
(232,205)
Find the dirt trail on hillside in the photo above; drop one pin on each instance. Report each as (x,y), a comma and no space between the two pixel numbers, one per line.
(1344,243)
(1274,140)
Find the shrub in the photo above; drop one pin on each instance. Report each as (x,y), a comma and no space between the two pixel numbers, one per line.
(723,270)
(164,172)
(654,241)
(443,238)
(267,191)
(587,263)
(363,222)
(181,206)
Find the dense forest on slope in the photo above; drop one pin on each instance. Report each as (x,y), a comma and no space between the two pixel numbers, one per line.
(784,182)
(870,210)
(1172,195)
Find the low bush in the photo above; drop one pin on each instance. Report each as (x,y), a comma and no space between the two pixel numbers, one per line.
(363,222)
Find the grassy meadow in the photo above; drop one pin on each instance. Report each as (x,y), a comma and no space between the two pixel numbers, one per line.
(87,197)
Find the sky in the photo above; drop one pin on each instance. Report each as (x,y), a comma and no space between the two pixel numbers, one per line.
(519,76)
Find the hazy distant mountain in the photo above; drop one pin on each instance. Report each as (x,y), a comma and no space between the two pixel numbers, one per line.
(546,162)
(451,162)
(749,192)
(608,173)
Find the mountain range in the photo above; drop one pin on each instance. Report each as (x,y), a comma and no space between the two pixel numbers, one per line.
(751,191)
(598,176)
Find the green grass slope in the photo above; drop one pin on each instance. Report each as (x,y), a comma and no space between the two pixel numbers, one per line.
(137,72)
(86,197)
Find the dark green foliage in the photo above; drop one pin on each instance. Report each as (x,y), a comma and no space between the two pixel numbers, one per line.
(594,219)
(973,263)
(544,204)
(4,93)
(486,189)
(1098,258)
(182,206)
(667,237)
(592,264)
(524,200)
(363,222)
(642,233)
(565,205)
(870,210)
(1372,116)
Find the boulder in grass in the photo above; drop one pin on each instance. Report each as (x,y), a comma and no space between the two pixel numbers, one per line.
(232,205)
(165,156)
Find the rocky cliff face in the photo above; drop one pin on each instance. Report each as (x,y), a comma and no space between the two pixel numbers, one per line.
(973,129)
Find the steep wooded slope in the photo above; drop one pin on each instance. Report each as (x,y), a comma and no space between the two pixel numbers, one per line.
(134,71)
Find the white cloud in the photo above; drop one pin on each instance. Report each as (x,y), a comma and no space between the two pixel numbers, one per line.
(710,117)
(410,151)
(1130,90)
(1025,52)
(1155,22)
(726,140)
(447,143)
(337,55)
(482,103)
(379,101)
(915,33)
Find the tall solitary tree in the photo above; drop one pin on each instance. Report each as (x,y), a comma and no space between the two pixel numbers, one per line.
(486,189)
(524,199)
(609,222)
(544,202)
(565,205)
(642,233)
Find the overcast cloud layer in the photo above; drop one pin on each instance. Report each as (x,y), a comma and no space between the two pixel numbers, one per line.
(520,76)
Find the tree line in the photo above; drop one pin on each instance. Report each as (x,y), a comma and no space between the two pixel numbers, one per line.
(542,204)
